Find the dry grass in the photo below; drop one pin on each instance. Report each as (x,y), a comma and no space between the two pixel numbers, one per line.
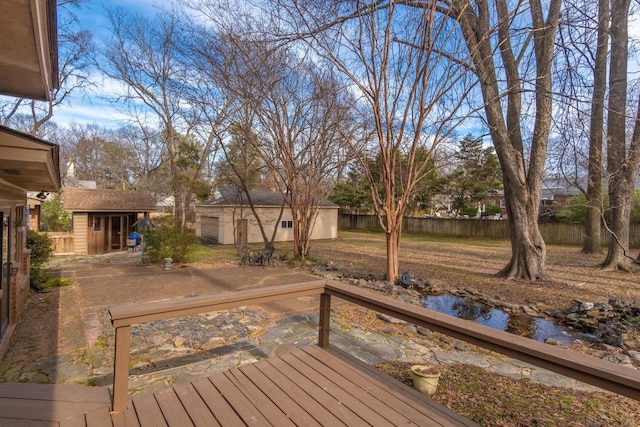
(486,398)
(471,263)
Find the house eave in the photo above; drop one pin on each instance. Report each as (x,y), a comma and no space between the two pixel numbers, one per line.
(28,163)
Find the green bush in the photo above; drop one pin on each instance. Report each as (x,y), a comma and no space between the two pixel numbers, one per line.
(54,217)
(492,209)
(42,247)
(471,212)
(169,242)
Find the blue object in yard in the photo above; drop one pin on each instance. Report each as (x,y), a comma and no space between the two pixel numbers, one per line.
(135,235)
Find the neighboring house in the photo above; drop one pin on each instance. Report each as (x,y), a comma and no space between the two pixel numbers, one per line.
(229,219)
(28,68)
(102,219)
(34,209)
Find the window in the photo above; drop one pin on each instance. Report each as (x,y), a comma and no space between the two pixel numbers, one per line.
(502,203)
(96,223)
(287,224)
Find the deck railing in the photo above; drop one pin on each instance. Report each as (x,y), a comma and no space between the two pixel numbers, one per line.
(609,376)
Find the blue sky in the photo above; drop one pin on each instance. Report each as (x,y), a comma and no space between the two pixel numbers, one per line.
(94,107)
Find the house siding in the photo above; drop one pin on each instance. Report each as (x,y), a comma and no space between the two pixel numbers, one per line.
(80,231)
(325,227)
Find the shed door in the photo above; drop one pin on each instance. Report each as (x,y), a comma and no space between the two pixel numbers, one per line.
(210,232)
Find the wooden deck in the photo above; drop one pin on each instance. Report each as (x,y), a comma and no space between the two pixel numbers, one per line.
(306,387)
(318,385)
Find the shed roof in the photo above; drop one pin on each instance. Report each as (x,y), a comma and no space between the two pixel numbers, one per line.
(259,198)
(89,200)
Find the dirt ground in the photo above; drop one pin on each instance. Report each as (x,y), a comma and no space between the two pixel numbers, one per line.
(473,263)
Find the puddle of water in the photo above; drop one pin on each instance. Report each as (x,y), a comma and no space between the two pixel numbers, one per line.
(531,327)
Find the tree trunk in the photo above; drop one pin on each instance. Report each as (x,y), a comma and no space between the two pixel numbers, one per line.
(522,181)
(528,250)
(393,240)
(592,238)
(618,166)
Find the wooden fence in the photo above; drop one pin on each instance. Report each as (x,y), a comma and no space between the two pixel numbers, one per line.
(552,232)
(63,243)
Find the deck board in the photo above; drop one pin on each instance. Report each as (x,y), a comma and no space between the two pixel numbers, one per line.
(172,409)
(148,411)
(195,406)
(281,399)
(305,387)
(299,395)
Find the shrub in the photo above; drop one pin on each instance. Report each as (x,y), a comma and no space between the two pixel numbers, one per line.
(471,212)
(492,209)
(54,217)
(169,242)
(41,252)
(42,248)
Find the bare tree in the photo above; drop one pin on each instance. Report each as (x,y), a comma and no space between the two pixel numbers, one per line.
(622,158)
(75,57)
(522,177)
(401,62)
(143,55)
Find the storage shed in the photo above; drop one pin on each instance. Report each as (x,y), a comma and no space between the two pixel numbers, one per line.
(229,219)
(102,219)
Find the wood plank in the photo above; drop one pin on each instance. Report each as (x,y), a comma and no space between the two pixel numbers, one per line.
(322,397)
(258,397)
(127,418)
(195,406)
(282,400)
(13,422)
(43,410)
(401,391)
(404,399)
(77,421)
(337,389)
(326,393)
(57,392)
(297,394)
(130,314)
(172,409)
(358,391)
(99,418)
(148,411)
(249,413)
(217,404)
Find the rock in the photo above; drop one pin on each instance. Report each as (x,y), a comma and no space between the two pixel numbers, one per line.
(529,311)
(423,331)
(412,329)
(620,358)
(552,341)
(616,302)
(460,346)
(390,319)
(635,355)
(580,306)
(178,341)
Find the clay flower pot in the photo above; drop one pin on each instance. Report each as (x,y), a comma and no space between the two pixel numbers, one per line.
(425,378)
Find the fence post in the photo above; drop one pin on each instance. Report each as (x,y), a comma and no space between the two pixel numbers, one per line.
(121,368)
(325,315)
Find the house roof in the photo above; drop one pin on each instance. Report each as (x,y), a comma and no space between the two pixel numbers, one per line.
(27,162)
(28,48)
(86,200)
(259,198)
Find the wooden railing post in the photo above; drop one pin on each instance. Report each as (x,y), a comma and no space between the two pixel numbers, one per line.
(121,368)
(325,316)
